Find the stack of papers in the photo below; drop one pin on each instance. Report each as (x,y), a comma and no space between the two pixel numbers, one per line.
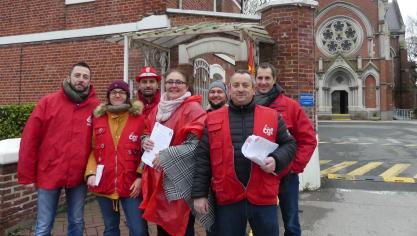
(257,149)
(161,137)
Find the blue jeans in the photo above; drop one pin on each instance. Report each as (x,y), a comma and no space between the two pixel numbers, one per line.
(232,219)
(288,202)
(47,204)
(136,224)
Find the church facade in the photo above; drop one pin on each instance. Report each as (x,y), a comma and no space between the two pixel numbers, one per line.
(361,59)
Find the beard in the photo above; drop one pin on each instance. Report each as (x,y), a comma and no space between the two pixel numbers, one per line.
(79,90)
(217,106)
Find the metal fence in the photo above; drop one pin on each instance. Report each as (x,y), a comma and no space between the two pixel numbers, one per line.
(403,114)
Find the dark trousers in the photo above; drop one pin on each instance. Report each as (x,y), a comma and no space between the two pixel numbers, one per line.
(188,232)
(231,220)
(288,202)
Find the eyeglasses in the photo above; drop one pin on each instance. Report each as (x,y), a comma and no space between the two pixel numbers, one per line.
(120,92)
(176,82)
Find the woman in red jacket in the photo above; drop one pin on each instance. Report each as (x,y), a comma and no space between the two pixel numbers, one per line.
(166,186)
(112,169)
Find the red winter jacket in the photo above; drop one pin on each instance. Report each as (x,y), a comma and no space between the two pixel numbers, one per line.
(56,142)
(121,161)
(172,216)
(262,188)
(300,127)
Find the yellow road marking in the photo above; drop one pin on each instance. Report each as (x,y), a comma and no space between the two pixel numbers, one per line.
(364,143)
(410,145)
(322,162)
(340,176)
(389,144)
(396,179)
(394,170)
(337,167)
(366,168)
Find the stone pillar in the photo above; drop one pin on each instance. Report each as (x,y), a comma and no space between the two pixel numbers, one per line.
(291,24)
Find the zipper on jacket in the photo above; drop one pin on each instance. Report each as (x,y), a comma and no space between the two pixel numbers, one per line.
(250,170)
(115,179)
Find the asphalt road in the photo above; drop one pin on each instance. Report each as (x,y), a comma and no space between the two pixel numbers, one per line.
(368,185)
(380,149)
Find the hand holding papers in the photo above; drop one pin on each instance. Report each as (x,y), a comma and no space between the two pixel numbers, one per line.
(257,149)
(161,135)
(99,173)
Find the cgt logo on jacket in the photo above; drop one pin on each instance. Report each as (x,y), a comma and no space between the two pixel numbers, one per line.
(268,130)
(133,137)
(89,121)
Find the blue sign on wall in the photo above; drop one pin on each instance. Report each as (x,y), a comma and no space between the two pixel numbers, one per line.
(306,99)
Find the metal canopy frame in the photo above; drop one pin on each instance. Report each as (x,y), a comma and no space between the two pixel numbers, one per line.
(170,37)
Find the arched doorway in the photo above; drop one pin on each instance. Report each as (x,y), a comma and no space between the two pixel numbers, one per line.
(339,91)
(340,103)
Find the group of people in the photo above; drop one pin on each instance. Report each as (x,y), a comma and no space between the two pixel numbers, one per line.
(73,142)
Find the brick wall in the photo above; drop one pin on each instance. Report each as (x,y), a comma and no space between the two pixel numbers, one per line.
(16,203)
(370,8)
(38,69)
(229,6)
(22,16)
(183,19)
(206,5)
(293,54)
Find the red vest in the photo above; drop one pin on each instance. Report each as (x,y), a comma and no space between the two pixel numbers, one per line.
(262,188)
(121,161)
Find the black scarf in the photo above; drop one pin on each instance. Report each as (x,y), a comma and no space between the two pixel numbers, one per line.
(269,97)
(73,95)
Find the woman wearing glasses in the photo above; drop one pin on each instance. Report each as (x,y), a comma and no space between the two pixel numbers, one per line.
(165,184)
(112,169)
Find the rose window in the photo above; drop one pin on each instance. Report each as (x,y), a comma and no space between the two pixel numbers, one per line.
(339,36)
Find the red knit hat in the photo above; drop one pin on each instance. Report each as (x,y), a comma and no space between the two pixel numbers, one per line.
(148,72)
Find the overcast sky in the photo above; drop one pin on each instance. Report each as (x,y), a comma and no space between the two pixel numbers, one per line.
(408,8)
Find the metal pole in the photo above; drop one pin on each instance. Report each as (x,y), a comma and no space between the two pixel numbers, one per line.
(126,59)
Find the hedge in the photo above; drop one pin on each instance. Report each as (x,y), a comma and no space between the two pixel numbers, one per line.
(13,119)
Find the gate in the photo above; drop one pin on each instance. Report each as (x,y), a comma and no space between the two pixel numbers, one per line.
(201,80)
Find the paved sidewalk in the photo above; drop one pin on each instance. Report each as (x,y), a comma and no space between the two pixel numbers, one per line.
(342,208)
(93,224)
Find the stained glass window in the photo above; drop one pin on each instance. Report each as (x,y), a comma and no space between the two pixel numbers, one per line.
(339,36)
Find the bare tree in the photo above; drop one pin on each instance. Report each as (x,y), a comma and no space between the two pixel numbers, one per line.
(411,41)
(411,38)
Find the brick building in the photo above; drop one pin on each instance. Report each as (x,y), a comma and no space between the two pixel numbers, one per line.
(40,40)
(361,59)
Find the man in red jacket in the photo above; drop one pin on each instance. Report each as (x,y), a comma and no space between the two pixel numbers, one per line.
(54,150)
(272,95)
(244,191)
(148,88)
